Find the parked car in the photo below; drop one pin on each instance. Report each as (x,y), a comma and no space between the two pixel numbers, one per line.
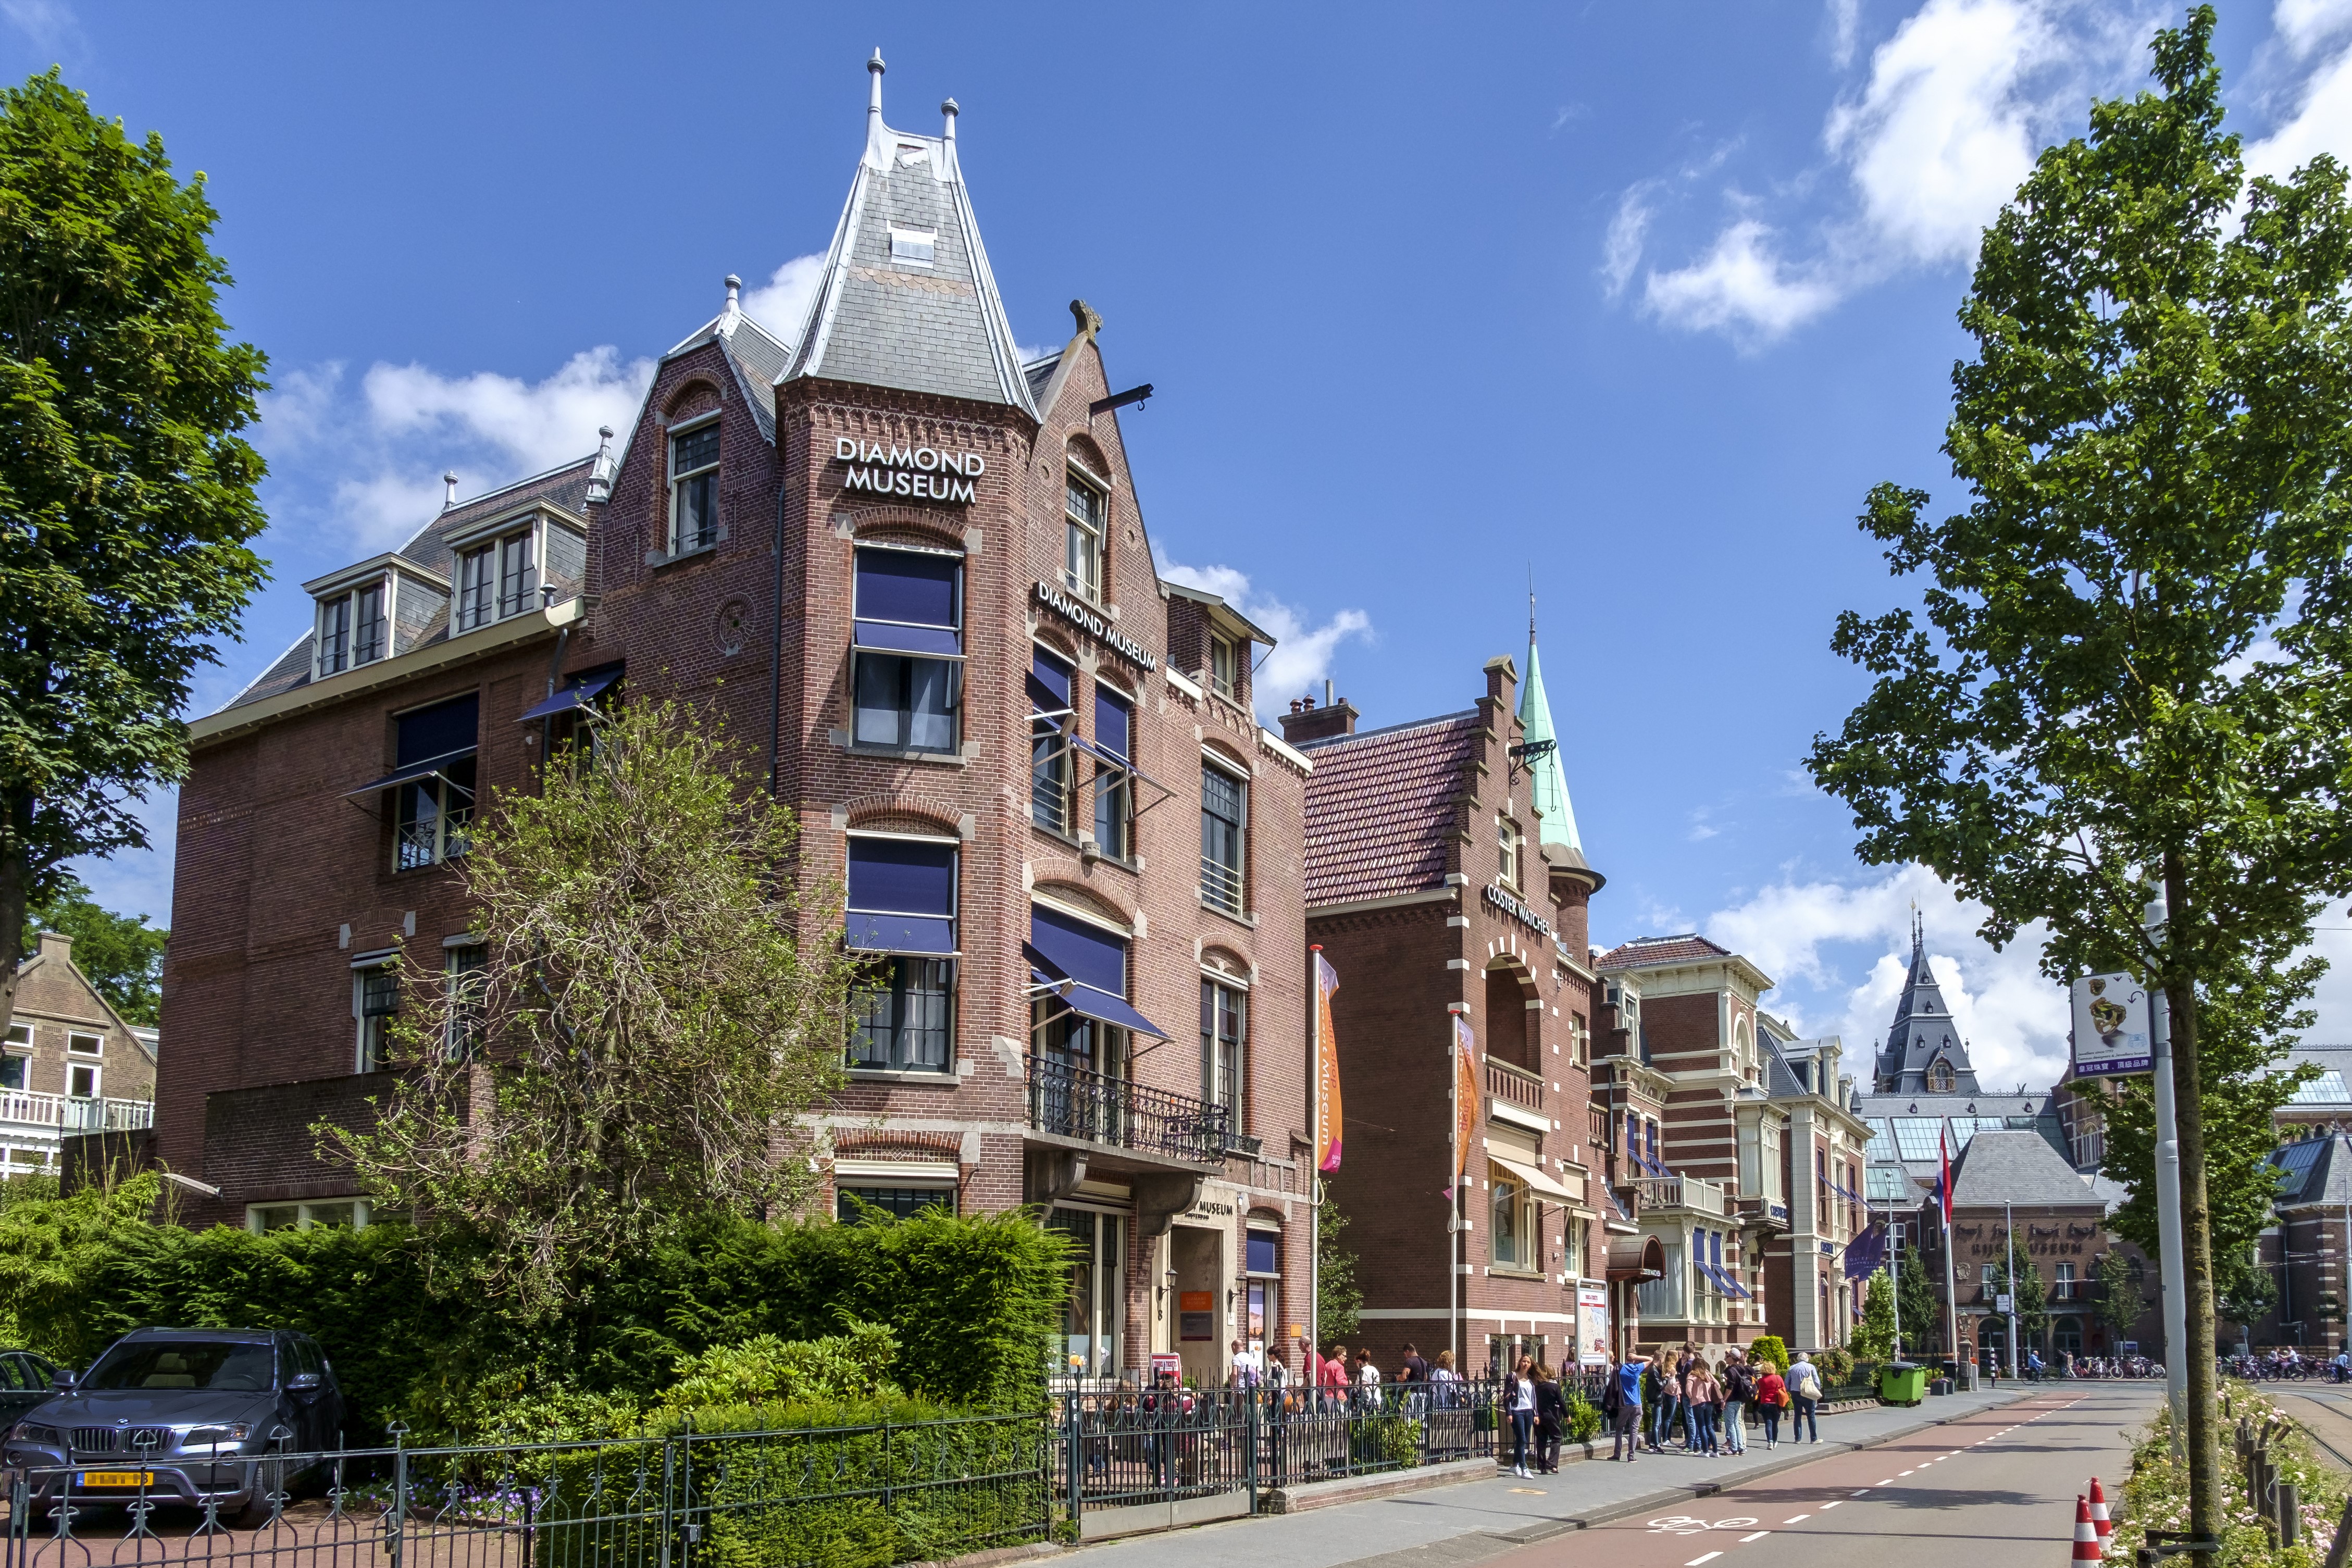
(24,1382)
(230,1415)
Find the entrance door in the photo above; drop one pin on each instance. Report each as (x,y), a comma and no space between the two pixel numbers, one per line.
(1197,1257)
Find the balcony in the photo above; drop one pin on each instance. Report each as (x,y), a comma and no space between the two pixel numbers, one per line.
(64,1113)
(1071,1101)
(1514,1085)
(1768,1213)
(1696,1193)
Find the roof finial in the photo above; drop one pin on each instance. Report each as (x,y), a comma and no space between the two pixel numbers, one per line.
(1531,604)
(449,495)
(950,108)
(874,87)
(734,296)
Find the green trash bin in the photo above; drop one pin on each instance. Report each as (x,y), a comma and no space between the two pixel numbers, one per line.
(1901,1383)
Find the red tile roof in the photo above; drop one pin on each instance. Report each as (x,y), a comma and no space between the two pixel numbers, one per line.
(1644,951)
(1378,806)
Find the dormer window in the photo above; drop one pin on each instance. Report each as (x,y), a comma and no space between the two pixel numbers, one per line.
(694,489)
(912,247)
(352,630)
(1224,661)
(497,579)
(1939,1078)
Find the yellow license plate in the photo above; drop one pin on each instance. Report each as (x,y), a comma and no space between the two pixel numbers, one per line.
(118,1477)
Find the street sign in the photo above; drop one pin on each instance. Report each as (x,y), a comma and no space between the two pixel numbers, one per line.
(2111,1027)
(2001,1305)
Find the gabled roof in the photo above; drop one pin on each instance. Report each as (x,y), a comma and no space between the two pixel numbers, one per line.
(885,314)
(1644,951)
(2015,1166)
(758,357)
(1379,806)
(565,488)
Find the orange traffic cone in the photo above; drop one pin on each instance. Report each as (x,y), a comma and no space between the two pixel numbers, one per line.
(2086,1534)
(2099,1512)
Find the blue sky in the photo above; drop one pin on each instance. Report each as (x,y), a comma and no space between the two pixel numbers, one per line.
(1643,297)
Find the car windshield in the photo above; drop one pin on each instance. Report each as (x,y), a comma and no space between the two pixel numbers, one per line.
(185,1363)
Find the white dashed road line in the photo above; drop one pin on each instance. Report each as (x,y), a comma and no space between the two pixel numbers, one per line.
(1799,1519)
(1832,1504)
(1694,1562)
(1757,1536)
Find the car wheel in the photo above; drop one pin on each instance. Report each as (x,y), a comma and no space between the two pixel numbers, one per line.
(268,1478)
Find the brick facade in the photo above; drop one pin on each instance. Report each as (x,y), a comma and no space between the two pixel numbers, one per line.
(70,1063)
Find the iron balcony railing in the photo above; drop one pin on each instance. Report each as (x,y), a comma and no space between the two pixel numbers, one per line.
(1220,886)
(1073,1101)
(75,1113)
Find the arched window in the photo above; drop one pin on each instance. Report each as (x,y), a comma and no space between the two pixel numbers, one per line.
(1506,1019)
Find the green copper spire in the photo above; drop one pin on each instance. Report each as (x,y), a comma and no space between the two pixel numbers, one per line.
(1547,786)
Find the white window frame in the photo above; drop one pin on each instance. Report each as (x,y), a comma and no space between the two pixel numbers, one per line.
(677,480)
(1241,837)
(20,1034)
(74,1046)
(363,1211)
(97,1079)
(1228,684)
(1095,533)
(1511,849)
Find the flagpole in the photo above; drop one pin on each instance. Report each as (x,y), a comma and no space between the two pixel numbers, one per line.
(1454,1194)
(1315,1164)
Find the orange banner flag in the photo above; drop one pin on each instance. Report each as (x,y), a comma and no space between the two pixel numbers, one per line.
(1466,1098)
(1327,1069)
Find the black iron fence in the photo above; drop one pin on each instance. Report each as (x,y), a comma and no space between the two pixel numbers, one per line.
(839,1496)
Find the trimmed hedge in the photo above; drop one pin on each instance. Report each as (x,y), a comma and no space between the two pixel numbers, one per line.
(970,1300)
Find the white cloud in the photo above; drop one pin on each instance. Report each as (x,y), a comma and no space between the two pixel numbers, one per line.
(1621,251)
(378,456)
(48,24)
(1845,23)
(1301,656)
(2305,25)
(781,304)
(1945,131)
(1738,287)
(2321,121)
(1840,952)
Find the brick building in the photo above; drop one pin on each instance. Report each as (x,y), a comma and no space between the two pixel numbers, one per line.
(911,571)
(69,1065)
(1747,1150)
(1444,877)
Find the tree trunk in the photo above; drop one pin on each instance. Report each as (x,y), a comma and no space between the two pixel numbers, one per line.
(15,882)
(2196,1234)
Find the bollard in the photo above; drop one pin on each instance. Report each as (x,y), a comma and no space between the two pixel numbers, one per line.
(2341,1550)
(2086,1534)
(2290,1514)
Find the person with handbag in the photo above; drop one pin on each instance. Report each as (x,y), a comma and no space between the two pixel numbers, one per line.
(1805,1396)
(1551,1419)
(1772,1398)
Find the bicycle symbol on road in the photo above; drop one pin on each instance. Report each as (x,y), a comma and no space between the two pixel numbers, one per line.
(1682,1524)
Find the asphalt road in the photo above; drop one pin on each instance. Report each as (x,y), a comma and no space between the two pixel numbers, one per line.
(2002,1480)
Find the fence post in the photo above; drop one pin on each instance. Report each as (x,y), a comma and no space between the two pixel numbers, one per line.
(1071,1458)
(396,1522)
(885,1464)
(1249,1443)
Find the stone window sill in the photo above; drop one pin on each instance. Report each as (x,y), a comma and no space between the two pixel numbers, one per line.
(1247,919)
(917,1078)
(657,558)
(1500,1271)
(960,758)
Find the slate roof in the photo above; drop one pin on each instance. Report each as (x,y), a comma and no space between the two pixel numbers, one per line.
(1379,806)
(2018,1167)
(565,487)
(1644,952)
(1924,1031)
(758,357)
(884,319)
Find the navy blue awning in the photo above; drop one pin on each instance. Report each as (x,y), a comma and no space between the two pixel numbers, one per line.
(909,587)
(920,936)
(1088,1001)
(891,637)
(414,771)
(902,896)
(583,689)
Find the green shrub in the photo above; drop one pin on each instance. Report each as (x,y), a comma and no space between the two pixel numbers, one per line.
(852,1365)
(1769,1348)
(1837,1365)
(1584,1420)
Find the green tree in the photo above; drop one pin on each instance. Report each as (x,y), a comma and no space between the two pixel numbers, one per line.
(2019,1278)
(635,1042)
(2118,1305)
(2243,1288)
(126,494)
(1874,1338)
(1921,1295)
(1338,1298)
(2135,685)
(122,954)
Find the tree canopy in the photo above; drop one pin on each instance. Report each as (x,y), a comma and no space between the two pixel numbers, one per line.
(121,954)
(126,494)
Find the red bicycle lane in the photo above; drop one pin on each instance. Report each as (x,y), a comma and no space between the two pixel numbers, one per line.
(1944,1494)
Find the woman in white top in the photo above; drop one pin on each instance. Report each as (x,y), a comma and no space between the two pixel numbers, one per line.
(1519,1398)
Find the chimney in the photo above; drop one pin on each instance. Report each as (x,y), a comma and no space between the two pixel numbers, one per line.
(449,495)
(1306,721)
(600,472)
(734,306)
(53,944)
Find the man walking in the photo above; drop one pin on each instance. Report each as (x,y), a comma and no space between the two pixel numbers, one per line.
(1805,1393)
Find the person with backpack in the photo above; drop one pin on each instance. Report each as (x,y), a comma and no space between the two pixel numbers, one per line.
(1805,1395)
(1739,1392)
(1772,1398)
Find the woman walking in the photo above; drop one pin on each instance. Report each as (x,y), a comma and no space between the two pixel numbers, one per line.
(1551,1416)
(1520,1393)
(1769,1391)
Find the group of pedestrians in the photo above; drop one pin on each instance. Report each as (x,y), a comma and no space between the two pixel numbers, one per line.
(1708,1405)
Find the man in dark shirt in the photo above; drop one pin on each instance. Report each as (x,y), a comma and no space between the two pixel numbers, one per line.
(1414,1369)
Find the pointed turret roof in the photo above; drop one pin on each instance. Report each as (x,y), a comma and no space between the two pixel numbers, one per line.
(1923,1032)
(908,300)
(1546,786)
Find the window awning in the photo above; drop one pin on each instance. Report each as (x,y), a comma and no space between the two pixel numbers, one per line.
(582,691)
(893,637)
(430,767)
(1533,1176)
(1636,1257)
(1085,1000)
(902,897)
(917,936)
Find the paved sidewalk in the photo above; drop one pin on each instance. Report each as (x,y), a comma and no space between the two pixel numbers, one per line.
(1512,1509)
